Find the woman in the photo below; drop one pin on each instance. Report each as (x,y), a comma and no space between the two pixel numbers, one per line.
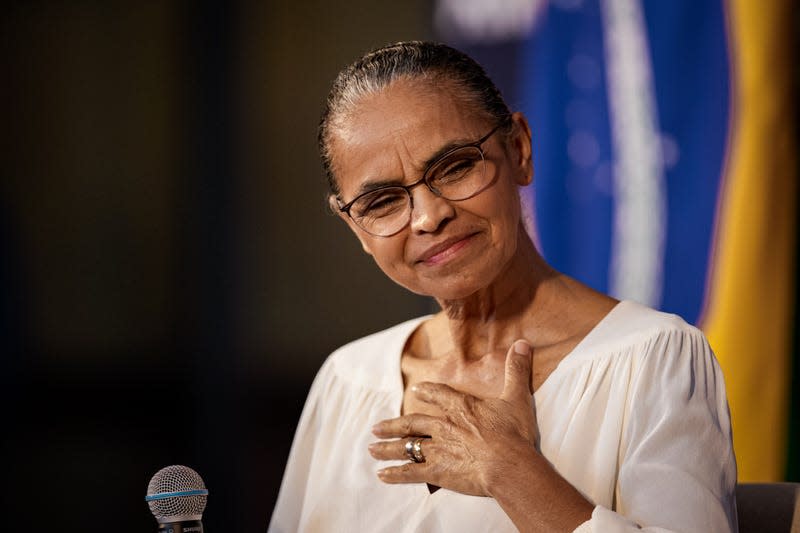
(628,426)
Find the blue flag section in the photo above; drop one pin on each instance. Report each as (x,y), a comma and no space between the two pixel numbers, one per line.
(692,81)
(563,94)
(629,108)
(586,115)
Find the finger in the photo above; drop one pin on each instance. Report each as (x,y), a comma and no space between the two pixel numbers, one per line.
(405,473)
(443,396)
(518,371)
(389,450)
(394,450)
(418,424)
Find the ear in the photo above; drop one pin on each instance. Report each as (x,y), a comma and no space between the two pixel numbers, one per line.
(359,233)
(521,148)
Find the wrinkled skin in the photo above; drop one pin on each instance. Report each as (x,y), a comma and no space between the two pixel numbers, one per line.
(470,442)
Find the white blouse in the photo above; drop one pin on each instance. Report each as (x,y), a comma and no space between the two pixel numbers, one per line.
(635,417)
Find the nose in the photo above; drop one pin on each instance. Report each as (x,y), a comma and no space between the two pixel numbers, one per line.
(429,212)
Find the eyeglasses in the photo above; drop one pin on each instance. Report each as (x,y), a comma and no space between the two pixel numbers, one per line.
(458,174)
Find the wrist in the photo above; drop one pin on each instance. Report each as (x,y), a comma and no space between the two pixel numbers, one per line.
(520,464)
(535,496)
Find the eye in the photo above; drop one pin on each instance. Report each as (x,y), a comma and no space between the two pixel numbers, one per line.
(454,167)
(380,203)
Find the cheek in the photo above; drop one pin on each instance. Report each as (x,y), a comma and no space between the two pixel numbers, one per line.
(389,256)
(503,212)
(503,215)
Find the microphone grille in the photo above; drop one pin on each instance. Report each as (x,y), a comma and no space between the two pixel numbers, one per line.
(176,493)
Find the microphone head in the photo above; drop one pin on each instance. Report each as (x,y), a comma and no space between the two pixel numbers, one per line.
(176,494)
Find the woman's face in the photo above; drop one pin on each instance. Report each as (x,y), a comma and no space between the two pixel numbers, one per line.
(450,249)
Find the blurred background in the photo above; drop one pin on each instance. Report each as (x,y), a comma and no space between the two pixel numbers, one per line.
(171,279)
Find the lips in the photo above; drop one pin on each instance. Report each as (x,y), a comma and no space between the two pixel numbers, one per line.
(441,251)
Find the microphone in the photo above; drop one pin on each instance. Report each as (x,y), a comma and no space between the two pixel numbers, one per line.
(177,498)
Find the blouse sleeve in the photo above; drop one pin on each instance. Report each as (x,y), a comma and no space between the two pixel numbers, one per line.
(288,508)
(677,468)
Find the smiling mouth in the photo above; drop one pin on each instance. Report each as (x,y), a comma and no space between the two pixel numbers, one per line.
(446,252)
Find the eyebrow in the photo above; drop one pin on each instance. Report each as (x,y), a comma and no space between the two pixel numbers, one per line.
(372,185)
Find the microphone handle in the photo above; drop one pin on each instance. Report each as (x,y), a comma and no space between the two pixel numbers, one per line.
(188,526)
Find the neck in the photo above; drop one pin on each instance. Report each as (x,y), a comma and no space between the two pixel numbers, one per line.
(490,320)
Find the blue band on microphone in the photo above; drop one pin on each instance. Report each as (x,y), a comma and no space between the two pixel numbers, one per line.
(165,495)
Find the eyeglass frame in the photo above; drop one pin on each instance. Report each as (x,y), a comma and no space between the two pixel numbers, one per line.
(477,144)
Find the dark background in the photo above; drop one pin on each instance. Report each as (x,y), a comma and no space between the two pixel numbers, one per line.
(171,278)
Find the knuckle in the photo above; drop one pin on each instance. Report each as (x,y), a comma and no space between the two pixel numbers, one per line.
(463,401)
(470,405)
(448,427)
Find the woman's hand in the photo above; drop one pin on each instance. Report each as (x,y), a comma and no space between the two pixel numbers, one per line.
(475,442)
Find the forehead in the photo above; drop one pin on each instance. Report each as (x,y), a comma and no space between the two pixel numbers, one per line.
(391,133)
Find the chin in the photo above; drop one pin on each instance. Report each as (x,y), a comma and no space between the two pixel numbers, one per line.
(455,281)
(452,287)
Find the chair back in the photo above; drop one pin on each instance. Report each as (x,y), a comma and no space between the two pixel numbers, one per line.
(768,507)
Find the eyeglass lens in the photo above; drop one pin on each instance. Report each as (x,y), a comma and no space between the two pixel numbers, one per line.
(457,176)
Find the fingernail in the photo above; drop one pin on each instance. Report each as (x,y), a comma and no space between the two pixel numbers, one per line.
(376,429)
(381,473)
(522,348)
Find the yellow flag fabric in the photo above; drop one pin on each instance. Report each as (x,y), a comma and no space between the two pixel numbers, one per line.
(748,317)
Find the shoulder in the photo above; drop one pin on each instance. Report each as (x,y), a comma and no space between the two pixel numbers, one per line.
(372,360)
(632,325)
(636,336)
(663,351)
